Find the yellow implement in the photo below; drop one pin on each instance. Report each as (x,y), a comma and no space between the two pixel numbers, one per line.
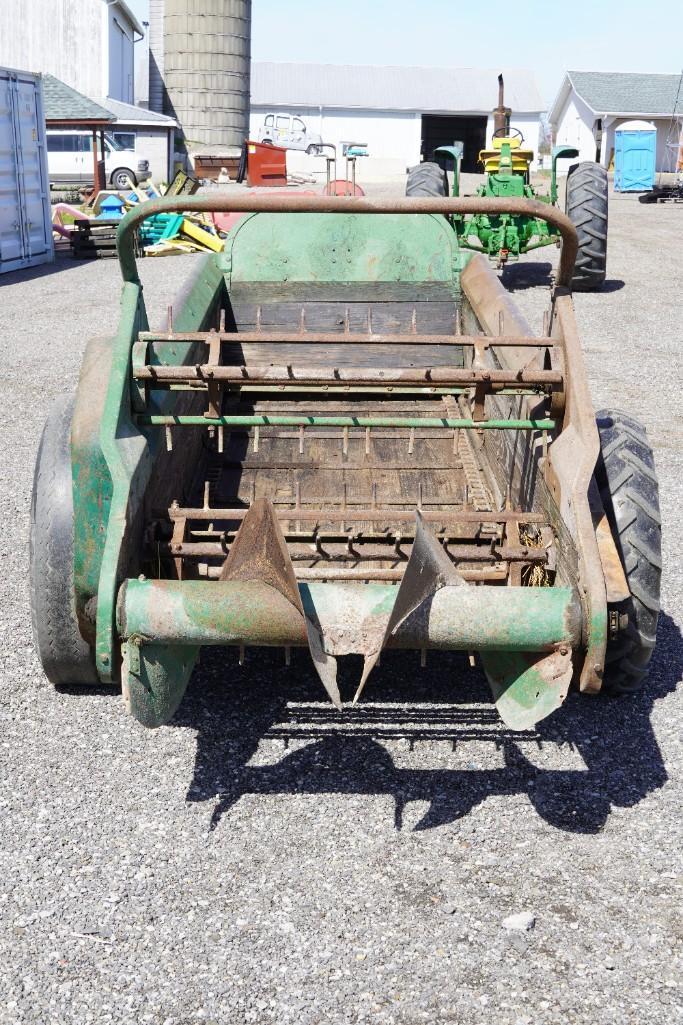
(202,235)
(521,158)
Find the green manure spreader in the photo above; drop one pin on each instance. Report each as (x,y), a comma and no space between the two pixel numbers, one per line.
(346,438)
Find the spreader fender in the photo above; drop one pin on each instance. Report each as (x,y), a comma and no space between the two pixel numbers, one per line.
(91,481)
(527,686)
(130,453)
(154,678)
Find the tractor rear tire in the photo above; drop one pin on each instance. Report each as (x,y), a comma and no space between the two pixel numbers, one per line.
(65,656)
(586,207)
(628,485)
(427,179)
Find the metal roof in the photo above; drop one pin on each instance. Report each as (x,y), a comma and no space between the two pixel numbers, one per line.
(62,103)
(371,87)
(624,93)
(128,113)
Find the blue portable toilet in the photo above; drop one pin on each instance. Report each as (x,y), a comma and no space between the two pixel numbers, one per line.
(635,152)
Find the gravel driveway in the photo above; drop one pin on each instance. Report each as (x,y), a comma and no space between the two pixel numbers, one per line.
(264,860)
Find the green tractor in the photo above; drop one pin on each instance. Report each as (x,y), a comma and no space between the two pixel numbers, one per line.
(507,168)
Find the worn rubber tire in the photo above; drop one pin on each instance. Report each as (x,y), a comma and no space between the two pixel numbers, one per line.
(426,179)
(628,485)
(123,172)
(65,656)
(586,207)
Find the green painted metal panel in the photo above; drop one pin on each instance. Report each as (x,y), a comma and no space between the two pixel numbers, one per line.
(154,679)
(342,248)
(130,452)
(91,481)
(525,686)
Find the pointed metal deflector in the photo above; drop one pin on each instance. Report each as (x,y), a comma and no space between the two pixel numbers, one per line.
(428,570)
(259,552)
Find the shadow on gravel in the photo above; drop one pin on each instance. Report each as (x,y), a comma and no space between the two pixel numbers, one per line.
(532,274)
(333,753)
(519,276)
(62,261)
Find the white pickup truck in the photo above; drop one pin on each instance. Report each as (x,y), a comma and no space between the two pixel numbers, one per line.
(289,131)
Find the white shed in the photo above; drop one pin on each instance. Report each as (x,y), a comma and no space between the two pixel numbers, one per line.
(150,134)
(591,105)
(400,113)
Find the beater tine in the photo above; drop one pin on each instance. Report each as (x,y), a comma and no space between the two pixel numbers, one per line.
(259,552)
(428,570)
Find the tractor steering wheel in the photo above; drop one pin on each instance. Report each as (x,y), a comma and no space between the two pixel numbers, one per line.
(508,133)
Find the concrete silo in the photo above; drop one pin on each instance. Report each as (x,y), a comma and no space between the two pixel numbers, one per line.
(206,57)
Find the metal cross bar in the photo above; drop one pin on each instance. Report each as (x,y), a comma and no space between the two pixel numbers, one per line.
(345,338)
(465,553)
(489,575)
(452,516)
(289,374)
(162,420)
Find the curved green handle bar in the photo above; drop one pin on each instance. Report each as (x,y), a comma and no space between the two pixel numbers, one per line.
(229,203)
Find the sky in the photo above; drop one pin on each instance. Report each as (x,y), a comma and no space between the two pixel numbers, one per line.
(545,36)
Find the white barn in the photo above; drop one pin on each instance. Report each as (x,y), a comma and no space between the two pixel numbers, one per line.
(400,113)
(591,105)
(88,44)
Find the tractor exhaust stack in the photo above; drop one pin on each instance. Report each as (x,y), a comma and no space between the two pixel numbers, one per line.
(501,113)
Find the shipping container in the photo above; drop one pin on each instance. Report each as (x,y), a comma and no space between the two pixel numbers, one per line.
(25,220)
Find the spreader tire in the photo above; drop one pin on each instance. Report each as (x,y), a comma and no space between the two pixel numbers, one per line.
(426,179)
(629,490)
(65,656)
(586,206)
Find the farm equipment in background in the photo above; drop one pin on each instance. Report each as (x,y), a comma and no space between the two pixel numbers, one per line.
(507,176)
(345,439)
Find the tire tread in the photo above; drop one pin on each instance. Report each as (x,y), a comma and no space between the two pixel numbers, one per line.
(627,481)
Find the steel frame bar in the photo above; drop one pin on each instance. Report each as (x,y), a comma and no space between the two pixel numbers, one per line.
(165,420)
(460,205)
(489,575)
(466,553)
(331,514)
(289,374)
(346,338)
